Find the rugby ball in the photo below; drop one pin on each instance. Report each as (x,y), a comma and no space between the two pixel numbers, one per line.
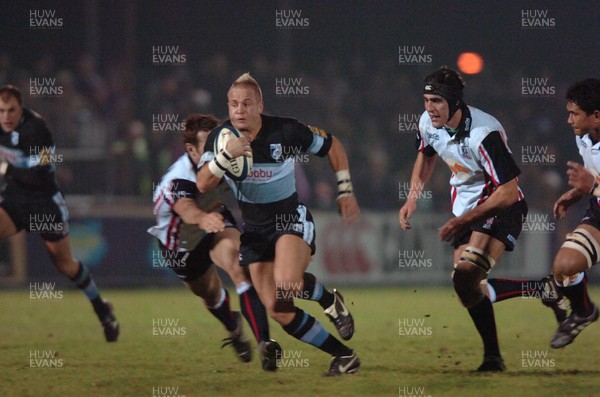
(240,166)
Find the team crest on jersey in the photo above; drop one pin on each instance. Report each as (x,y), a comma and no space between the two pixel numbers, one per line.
(14,138)
(464,151)
(276,151)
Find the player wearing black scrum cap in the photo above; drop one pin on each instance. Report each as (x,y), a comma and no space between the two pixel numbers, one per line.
(488,205)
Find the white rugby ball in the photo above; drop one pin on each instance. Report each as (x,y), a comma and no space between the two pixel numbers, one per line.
(240,166)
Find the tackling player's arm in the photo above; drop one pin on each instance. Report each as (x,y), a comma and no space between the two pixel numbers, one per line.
(188,211)
(422,171)
(346,200)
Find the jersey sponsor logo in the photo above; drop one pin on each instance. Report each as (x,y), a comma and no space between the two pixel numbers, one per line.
(433,136)
(10,155)
(260,174)
(468,124)
(276,151)
(460,171)
(318,131)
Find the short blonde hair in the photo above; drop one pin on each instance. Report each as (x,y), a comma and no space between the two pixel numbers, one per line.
(247,80)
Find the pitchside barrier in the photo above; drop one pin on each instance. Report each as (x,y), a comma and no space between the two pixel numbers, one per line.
(111,239)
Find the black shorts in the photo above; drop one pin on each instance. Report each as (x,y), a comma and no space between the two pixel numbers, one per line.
(47,216)
(190,265)
(258,242)
(505,226)
(592,215)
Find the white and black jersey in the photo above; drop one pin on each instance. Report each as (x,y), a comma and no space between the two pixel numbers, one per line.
(180,182)
(477,154)
(590,152)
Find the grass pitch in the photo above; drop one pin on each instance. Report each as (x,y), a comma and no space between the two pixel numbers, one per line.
(412,341)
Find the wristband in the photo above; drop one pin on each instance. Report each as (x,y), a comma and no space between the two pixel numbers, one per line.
(344,183)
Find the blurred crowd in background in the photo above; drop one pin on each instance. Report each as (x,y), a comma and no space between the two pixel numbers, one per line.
(112,147)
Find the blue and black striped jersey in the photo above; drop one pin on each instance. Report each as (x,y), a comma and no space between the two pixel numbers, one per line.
(270,187)
(30,153)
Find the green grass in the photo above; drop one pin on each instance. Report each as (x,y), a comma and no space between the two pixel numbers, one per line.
(392,364)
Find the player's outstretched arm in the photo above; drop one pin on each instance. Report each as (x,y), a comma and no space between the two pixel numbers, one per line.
(211,222)
(422,171)
(346,200)
(506,195)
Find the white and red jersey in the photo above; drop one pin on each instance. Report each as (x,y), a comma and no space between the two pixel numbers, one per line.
(180,182)
(177,183)
(477,154)
(590,153)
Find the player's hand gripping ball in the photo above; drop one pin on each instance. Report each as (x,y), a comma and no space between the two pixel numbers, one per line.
(238,167)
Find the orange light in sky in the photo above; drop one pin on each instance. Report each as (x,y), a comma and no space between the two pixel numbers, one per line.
(470,63)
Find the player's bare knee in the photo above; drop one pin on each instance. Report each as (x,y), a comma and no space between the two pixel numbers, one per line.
(564,266)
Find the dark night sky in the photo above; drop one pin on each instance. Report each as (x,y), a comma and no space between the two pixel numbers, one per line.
(337,29)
